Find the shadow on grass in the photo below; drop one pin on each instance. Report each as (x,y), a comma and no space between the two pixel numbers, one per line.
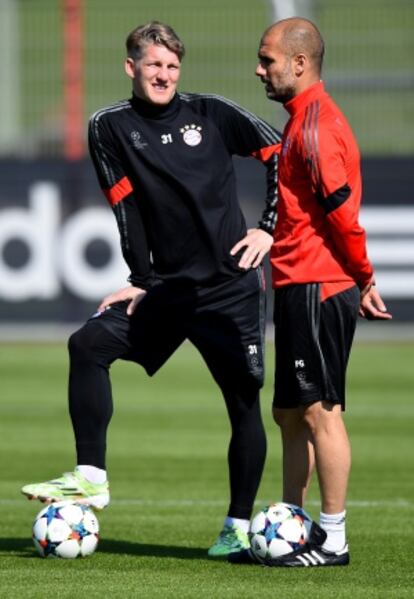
(24,548)
(19,547)
(143,549)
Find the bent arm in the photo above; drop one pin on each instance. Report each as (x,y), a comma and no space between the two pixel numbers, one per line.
(119,191)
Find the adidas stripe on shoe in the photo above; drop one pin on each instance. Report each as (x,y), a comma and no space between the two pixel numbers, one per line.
(311,556)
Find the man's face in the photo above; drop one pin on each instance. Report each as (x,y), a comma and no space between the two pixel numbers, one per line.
(155,75)
(275,69)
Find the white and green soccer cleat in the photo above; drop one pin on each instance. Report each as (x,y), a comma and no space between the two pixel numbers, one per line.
(231,540)
(72,486)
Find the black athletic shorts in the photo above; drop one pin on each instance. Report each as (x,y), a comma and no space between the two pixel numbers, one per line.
(313,340)
(225,322)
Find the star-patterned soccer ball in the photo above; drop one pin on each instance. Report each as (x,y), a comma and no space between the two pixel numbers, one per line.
(278,529)
(66,529)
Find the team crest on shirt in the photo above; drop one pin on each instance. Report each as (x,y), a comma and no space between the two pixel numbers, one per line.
(191,134)
(137,140)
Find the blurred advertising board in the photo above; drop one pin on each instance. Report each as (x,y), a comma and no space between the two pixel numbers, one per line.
(59,246)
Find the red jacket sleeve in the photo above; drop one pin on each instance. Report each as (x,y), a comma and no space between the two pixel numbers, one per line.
(336,178)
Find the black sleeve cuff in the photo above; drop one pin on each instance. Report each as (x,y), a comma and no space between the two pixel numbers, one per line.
(264,226)
(142,282)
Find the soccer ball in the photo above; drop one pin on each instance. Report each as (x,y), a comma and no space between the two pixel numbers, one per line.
(278,529)
(65,529)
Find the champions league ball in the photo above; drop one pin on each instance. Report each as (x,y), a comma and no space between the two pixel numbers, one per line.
(278,529)
(66,529)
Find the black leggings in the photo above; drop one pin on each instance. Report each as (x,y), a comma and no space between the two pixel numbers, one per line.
(94,347)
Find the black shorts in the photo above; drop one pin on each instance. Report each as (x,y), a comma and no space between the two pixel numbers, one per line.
(225,322)
(313,341)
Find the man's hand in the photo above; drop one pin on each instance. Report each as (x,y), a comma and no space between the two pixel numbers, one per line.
(257,243)
(372,307)
(132,294)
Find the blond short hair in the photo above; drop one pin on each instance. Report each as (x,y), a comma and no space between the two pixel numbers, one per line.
(153,33)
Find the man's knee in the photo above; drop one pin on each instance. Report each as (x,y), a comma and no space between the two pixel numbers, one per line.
(98,344)
(79,343)
(86,344)
(288,418)
(322,415)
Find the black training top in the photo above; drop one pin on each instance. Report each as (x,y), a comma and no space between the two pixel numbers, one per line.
(168,174)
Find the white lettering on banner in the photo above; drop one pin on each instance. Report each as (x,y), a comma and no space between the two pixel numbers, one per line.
(36,227)
(80,277)
(390,233)
(57,252)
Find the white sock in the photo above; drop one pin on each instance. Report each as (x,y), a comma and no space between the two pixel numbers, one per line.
(242,524)
(334,526)
(94,475)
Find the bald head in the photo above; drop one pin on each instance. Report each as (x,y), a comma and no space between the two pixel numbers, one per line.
(299,36)
(290,58)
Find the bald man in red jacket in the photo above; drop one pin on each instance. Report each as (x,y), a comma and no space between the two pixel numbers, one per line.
(322,279)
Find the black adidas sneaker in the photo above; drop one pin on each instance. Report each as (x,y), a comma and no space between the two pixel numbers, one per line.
(309,556)
(317,536)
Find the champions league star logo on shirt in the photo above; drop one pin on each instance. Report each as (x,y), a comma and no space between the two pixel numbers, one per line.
(191,134)
(137,140)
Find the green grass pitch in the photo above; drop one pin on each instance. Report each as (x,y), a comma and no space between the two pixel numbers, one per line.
(167,465)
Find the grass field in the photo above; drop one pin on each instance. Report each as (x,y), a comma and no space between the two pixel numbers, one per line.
(169,483)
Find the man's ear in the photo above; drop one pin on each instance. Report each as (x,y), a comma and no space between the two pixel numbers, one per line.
(300,61)
(129,66)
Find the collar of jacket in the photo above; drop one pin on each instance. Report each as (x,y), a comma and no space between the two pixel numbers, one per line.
(301,101)
(156,111)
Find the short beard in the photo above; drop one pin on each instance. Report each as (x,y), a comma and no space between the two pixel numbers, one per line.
(282,95)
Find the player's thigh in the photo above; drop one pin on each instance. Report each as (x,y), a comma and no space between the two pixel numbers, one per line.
(338,320)
(148,337)
(229,331)
(298,375)
(159,324)
(313,341)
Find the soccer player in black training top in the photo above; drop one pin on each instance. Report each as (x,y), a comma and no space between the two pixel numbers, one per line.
(164,162)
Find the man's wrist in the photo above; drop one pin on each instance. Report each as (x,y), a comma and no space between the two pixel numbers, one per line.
(266,227)
(367,287)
